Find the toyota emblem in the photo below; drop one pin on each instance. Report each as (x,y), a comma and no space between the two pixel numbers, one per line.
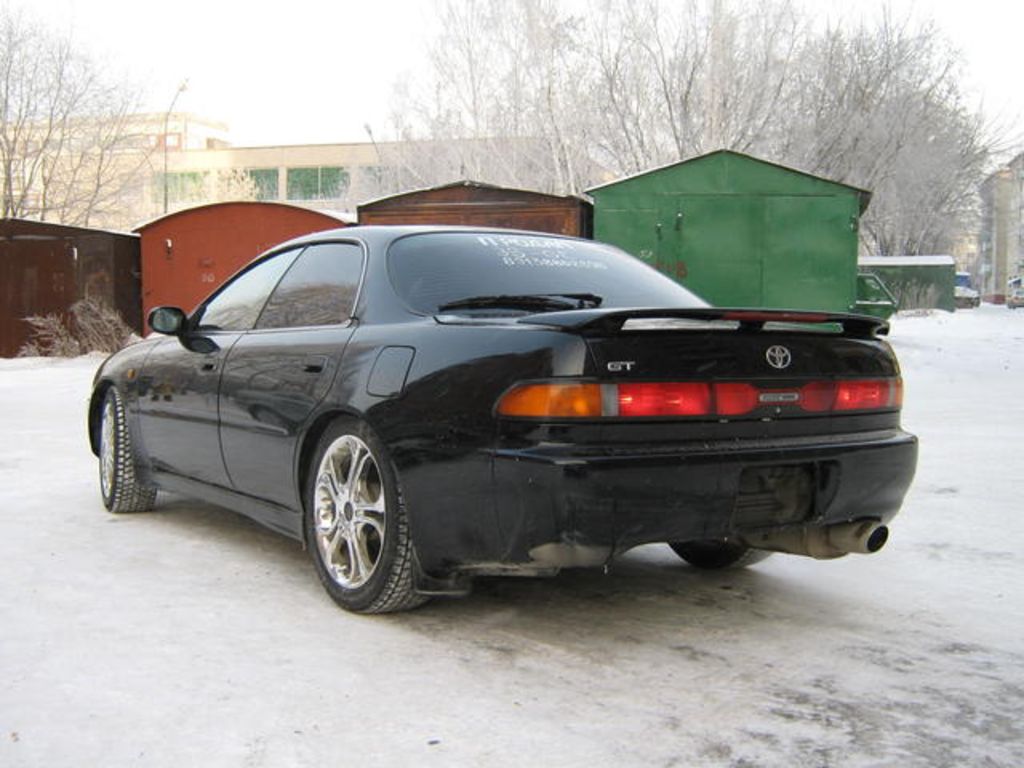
(778,357)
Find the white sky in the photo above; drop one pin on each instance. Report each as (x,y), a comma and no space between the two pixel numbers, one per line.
(299,71)
(309,71)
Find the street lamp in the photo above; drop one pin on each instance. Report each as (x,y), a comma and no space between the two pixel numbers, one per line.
(167,119)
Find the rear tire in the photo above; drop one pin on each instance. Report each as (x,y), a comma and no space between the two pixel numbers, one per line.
(119,486)
(715,555)
(356,527)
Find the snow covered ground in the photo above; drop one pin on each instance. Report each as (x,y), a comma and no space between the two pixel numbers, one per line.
(190,636)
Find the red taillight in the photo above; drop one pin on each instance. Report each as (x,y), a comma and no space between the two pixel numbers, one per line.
(589,400)
(735,399)
(863,395)
(655,399)
(851,395)
(818,396)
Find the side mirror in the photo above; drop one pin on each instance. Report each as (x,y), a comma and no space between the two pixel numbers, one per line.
(170,321)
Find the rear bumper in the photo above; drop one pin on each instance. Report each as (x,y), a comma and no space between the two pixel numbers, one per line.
(558,505)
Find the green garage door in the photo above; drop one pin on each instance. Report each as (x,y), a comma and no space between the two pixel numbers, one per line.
(807,250)
(714,243)
(747,251)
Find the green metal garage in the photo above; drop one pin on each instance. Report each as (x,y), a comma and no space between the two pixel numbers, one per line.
(917,282)
(740,231)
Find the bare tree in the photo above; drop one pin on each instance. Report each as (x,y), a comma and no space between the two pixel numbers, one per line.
(67,147)
(887,113)
(502,97)
(526,93)
(191,188)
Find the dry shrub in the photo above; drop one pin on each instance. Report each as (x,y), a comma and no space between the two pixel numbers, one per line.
(49,337)
(90,327)
(98,327)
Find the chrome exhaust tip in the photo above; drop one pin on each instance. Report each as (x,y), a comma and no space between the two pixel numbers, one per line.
(865,537)
(825,543)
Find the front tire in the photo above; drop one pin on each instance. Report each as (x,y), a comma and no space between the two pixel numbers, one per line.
(119,486)
(356,527)
(716,555)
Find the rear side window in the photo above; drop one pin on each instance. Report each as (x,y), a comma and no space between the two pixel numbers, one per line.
(319,289)
(434,269)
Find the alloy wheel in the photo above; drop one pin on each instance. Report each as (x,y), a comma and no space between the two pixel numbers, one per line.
(350,513)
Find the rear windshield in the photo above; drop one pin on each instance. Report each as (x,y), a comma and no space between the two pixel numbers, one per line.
(434,269)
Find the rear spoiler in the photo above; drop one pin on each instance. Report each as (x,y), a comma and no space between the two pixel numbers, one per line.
(611,320)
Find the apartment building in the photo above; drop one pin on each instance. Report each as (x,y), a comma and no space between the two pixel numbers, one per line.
(1001,238)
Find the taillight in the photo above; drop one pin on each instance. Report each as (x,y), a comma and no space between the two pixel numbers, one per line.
(664,399)
(818,396)
(851,395)
(735,398)
(866,395)
(587,400)
(577,401)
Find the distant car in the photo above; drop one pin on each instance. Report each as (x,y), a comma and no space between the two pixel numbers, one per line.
(874,297)
(422,405)
(964,294)
(1015,298)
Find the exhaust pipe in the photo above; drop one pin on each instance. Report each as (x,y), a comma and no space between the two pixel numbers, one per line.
(865,537)
(824,543)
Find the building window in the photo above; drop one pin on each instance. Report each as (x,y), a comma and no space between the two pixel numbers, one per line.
(377,177)
(323,183)
(265,181)
(185,187)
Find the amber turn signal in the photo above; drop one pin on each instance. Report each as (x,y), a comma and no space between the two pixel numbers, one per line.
(539,400)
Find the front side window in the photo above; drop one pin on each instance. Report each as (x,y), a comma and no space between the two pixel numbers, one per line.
(238,304)
(319,289)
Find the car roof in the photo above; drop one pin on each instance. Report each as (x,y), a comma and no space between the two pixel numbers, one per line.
(379,234)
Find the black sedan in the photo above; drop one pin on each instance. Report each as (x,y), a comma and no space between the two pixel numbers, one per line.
(422,405)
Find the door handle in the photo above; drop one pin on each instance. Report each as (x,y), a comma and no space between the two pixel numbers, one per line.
(210,365)
(314,364)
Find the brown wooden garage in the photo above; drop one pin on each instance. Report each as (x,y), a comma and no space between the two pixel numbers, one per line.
(483,205)
(46,267)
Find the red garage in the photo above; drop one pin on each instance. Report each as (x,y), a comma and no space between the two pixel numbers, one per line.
(186,254)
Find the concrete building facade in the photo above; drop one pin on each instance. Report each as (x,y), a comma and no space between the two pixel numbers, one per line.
(320,175)
(191,162)
(1001,238)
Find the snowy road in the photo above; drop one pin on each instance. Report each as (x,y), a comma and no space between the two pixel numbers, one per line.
(192,637)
